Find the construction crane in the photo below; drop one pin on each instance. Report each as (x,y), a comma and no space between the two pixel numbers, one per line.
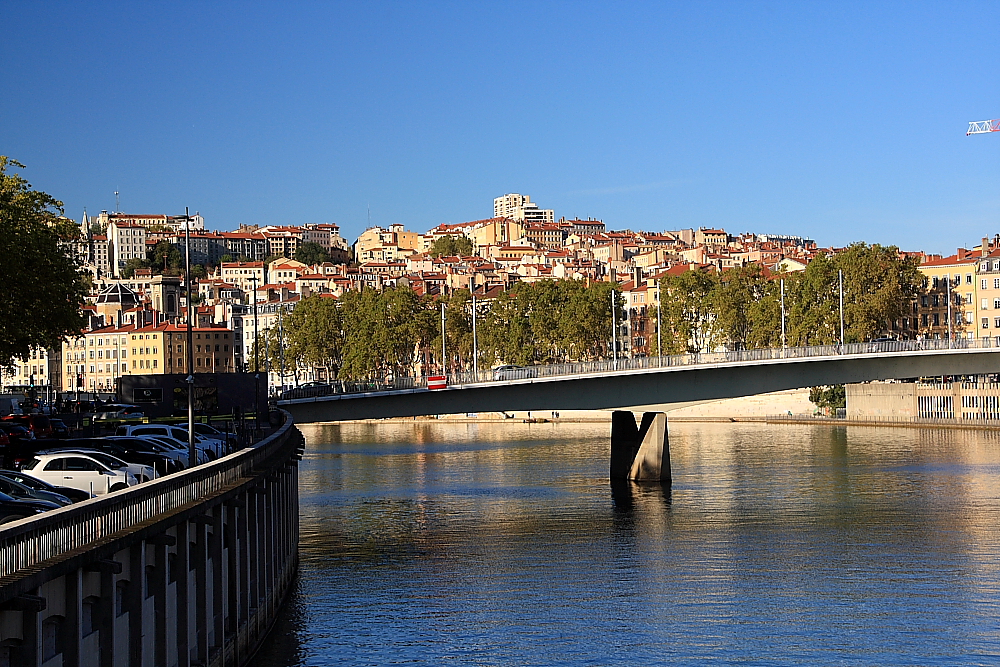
(983,126)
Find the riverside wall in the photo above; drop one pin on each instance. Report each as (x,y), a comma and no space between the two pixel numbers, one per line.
(187,570)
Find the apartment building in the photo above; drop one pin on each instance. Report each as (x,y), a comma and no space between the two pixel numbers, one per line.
(160,349)
(520,207)
(125,241)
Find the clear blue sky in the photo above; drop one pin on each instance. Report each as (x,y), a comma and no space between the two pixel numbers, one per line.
(839,121)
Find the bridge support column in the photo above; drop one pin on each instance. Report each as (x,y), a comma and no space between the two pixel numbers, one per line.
(640,453)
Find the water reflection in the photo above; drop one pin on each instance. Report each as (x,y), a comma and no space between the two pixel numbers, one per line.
(505,544)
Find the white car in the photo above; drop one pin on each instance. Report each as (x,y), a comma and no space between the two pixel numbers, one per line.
(79,471)
(141,472)
(177,450)
(175,432)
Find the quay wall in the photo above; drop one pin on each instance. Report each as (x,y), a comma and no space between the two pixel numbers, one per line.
(187,570)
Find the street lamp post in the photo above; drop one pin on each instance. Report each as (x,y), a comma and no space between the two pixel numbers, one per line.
(659,324)
(256,358)
(783,313)
(840,277)
(614,331)
(947,280)
(444,344)
(475,343)
(192,452)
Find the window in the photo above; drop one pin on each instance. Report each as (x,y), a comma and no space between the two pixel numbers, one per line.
(996,283)
(934,300)
(986,323)
(923,301)
(968,278)
(996,322)
(982,283)
(923,319)
(984,304)
(937,319)
(76,463)
(935,281)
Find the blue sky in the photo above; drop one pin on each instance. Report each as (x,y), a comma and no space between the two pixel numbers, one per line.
(839,121)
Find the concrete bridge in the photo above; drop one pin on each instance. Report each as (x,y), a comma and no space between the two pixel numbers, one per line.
(659,381)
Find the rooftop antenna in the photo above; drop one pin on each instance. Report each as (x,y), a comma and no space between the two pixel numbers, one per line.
(369,215)
(118,203)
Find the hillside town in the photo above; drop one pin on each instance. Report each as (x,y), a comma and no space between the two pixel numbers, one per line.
(247,280)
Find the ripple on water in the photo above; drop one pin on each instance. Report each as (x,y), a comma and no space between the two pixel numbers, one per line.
(778,545)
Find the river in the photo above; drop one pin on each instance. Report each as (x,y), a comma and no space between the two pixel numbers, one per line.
(504,544)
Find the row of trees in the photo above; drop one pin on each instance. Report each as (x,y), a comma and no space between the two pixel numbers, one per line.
(741,307)
(373,334)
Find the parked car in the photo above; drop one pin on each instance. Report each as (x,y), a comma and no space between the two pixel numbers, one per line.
(206,431)
(80,472)
(76,495)
(16,432)
(510,372)
(176,432)
(133,450)
(12,509)
(23,492)
(59,428)
(112,411)
(143,473)
(39,425)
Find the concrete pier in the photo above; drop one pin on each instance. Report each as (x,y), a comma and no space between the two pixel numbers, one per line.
(640,452)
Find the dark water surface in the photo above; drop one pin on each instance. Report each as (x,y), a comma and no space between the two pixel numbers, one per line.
(779,545)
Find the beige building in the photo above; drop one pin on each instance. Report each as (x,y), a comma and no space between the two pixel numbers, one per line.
(520,208)
(396,240)
(242,274)
(125,241)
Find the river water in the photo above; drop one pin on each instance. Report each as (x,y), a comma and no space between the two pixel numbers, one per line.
(504,544)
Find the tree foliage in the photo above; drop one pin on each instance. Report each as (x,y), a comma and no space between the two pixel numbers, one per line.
(311,253)
(741,307)
(451,246)
(44,288)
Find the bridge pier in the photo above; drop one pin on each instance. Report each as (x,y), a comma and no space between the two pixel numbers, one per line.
(640,452)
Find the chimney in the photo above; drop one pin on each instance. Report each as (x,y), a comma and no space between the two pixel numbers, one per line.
(985,249)
(960,254)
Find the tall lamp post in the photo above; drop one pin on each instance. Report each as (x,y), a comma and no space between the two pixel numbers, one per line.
(614,331)
(192,452)
(783,313)
(256,359)
(444,345)
(475,343)
(840,277)
(947,281)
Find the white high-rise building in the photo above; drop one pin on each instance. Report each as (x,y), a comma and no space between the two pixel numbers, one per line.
(520,207)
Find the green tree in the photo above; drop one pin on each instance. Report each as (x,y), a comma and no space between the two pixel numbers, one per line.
(813,304)
(225,259)
(311,253)
(879,286)
(383,331)
(740,319)
(687,310)
(44,286)
(315,333)
(831,397)
(165,257)
(450,246)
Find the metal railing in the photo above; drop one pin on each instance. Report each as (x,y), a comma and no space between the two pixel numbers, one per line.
(27,542)
(504,374)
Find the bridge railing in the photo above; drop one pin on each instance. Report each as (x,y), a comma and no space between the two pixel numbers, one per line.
(30,541)
(506,373)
